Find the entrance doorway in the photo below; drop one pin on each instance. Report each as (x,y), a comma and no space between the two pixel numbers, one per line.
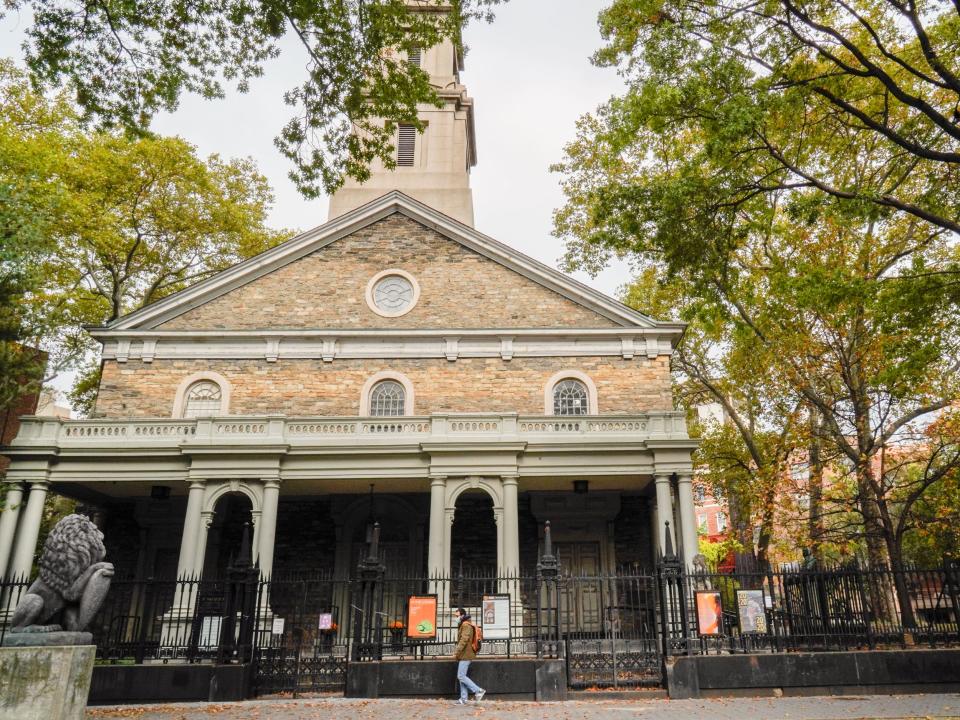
(581,600)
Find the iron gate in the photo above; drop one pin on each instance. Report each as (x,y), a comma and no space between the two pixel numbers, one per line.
(609,624)
(302,628)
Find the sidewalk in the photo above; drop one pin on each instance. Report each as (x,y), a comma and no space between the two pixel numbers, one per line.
(815,708)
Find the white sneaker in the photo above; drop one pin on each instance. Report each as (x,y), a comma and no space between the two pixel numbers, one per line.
(460,702)
(479,695)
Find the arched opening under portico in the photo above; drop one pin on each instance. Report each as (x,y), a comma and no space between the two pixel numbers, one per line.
(473,538)
(231,513)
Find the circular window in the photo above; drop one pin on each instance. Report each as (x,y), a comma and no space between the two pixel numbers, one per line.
(392,293)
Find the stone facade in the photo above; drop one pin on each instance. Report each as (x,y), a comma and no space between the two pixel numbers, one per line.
(326,289)
(316,388)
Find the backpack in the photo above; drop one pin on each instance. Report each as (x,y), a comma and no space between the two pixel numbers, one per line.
(477,641)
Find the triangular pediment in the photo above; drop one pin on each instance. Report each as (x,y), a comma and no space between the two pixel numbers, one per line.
(576,301)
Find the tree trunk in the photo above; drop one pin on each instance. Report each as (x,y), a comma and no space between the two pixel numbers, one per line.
(880,595)
(815,488)
(900,583)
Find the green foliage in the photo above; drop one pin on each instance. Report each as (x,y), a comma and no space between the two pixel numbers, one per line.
(83,395)
(102,224)
(33,132)
(715,553)
(788,171)
(127,61)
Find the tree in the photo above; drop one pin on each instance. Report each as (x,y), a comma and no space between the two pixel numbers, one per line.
(784,89)
(725,172)
(104,224)
(36,136)
(127,61)
(146,218)
(745,458)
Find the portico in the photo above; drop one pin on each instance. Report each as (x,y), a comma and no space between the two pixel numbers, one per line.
(442,457)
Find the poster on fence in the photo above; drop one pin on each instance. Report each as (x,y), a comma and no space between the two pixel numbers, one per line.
(709,612)
(495,617)
(210,631)
(753,618)
(325,621)
(422,617)
(278,623)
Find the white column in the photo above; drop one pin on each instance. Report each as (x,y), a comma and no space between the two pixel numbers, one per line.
(688,519)
(200,552)
(664,512)
(8,524)
(29,530)
(436,555)
(511,526)
(268,525)
(191,529)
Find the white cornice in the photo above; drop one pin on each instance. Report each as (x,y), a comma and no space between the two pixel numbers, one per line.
(390,203)
(332,344)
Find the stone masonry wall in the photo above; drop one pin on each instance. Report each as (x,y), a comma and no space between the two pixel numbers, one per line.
(315,388)
(634,544)
(326,289)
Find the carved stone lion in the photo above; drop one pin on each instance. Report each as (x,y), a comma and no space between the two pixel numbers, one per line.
(73,579)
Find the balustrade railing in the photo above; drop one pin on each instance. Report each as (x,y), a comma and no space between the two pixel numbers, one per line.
(304,431)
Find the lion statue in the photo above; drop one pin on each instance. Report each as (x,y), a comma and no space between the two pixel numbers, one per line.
(73,580)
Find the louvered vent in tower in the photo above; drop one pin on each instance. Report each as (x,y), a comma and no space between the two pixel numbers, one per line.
(406,144)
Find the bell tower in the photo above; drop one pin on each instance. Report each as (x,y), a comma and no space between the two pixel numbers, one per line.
(432,166)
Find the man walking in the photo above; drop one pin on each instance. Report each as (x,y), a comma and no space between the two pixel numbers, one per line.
(465,653)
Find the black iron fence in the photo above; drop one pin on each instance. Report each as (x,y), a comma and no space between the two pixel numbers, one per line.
(611,629)
(838,607)
(187,620)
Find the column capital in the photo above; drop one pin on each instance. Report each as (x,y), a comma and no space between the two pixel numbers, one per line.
(510,479)
(11,488)
(271,482)
(43,484)
(197,483)
(438,480)
(685,477)
(662,476)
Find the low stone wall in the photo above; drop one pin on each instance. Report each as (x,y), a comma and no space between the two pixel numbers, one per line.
(168,683)
(525,678)
(821,673)
(45,683)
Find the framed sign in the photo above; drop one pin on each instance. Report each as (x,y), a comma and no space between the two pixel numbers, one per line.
(495,617)
(325,621)
(277,628)
(709,612)
(422,617)
(753,617)
(210,631)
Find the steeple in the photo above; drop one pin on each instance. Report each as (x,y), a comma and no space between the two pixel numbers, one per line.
(433,166)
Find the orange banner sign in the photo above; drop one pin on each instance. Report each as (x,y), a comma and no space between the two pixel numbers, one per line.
(422,616)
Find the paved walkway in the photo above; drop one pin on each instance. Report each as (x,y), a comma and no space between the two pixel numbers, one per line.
(816,708)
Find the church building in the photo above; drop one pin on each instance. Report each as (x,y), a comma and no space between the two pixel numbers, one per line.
(394,365)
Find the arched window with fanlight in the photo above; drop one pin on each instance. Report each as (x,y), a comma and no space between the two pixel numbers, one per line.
(202,399)
(570,397)
(203,394)
(570,392)
(388,398)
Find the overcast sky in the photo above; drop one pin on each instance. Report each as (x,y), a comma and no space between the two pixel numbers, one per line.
(530,76)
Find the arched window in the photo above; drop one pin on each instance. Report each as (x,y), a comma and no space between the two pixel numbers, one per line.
(570,398)
(387,399)
(202,399)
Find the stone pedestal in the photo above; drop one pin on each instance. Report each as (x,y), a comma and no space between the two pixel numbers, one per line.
(45,683)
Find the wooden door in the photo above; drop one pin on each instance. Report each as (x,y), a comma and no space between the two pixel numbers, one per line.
(581,602)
